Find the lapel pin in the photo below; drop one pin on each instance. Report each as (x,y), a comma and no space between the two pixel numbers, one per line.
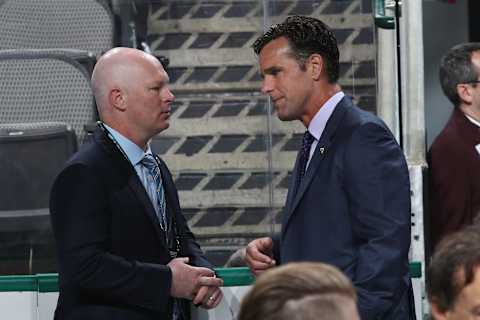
(322,150)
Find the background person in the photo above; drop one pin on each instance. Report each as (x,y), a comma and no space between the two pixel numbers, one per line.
(302,290)
(454,157)
(453,278)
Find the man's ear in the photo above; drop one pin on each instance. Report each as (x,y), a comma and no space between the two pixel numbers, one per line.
(464,91)
(316,65)
(116,98)
(436,312)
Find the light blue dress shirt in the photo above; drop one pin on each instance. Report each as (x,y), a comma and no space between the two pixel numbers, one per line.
(135,155)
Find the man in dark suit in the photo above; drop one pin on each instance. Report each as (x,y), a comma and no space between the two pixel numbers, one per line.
(454,157)
(124,248)
(348,202)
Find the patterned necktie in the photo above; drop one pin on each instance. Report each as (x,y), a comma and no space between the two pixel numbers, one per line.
(158,195)
(304,155)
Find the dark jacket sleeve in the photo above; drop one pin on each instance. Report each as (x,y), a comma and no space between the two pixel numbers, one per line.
(81,224)
(378,188)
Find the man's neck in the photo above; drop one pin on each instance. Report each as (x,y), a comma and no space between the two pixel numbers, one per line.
(129,134)
(321,96)
(470,111)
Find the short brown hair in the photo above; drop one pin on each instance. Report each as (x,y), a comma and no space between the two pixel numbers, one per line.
(330,306)
(295,281)
(453,267)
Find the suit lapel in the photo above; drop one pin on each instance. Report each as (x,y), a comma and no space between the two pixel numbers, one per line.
(321,151)
(140,193)
(292,186)
(125,169)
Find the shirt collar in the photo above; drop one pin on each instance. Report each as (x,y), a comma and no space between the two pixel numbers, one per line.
(319,121)
(475,122)
(134,153)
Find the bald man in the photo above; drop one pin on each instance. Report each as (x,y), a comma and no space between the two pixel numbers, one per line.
(124,248)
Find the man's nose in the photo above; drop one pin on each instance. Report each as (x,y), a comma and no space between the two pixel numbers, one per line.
(170,96)
(267,85)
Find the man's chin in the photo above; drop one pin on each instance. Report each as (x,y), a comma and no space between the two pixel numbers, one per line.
(164,127)
(284,117)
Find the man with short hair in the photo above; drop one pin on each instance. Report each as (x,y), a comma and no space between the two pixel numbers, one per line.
(320,307)
(303,291)
(454,276)
(348,201)
(454,157)
(124,247)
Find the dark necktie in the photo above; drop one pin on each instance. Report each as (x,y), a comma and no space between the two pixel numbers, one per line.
(304,155)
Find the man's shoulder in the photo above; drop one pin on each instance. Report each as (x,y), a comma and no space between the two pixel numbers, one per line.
(87,153)
(355,114)
(448,139)
(90,155)
(358,119)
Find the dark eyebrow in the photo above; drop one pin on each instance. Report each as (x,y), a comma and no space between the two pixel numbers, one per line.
(272,70)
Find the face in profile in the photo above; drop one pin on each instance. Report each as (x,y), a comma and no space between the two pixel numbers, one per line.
(467,303)
(149,99)
(287,84)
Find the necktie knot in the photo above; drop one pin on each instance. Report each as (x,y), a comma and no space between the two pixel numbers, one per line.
(151,164)
(307,141)
(149,161)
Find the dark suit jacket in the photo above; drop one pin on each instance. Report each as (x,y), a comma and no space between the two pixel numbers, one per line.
(112,254)
(352,210)
(454,177)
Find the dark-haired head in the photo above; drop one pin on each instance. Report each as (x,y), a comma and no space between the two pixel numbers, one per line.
(456,68)
(306,36)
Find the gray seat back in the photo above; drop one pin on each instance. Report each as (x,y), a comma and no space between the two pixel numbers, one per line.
(41,86)
(40,24)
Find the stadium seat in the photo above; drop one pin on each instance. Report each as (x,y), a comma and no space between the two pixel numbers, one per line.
(46,100)
(66,24)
